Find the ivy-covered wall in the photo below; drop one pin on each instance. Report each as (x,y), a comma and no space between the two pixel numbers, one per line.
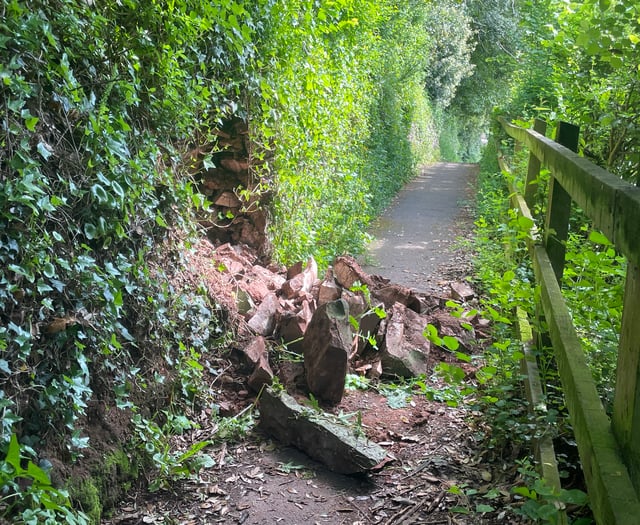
(112,115)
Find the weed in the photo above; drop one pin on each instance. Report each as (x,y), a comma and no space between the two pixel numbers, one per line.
(357,382)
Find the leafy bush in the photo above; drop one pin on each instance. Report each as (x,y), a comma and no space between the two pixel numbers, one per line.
(337,106)
(98,106)
(580,65)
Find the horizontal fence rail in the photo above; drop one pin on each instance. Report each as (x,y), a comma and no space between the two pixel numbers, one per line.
(609,450)
(611,203)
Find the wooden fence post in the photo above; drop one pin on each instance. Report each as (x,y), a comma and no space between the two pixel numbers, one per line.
(533,171)
(626,403)
(559,205)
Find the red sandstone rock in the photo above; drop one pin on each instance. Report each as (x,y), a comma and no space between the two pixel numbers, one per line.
(327,342)
(405,350)
(263,320)
(462,292)
(347,272)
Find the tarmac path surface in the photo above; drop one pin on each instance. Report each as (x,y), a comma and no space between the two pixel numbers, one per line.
(416,241)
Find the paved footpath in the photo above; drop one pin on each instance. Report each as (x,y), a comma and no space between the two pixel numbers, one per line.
(414,241)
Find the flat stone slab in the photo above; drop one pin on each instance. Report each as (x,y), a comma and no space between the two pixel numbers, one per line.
(336,445)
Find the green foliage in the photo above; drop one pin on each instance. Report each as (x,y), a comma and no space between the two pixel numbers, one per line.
(533,498)
(356,382)
(449,137)
(447,341)
(342,110)
(453,393)
(28,497)
(594,289)
(165,461)
(543,503)
(506,278)
(603,78)
(593,270)
(581,66)
(98,106)
(378,310)
(314,95)
(593,286)
(450,34)
(168,465)
(478,52)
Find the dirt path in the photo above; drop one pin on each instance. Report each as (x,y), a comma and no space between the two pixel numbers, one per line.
(433,448)
(415,240)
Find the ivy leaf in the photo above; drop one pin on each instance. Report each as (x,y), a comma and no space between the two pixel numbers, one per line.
(99,193)
(30,122)
(44,150)
(13,456)
(22,271)
(4,366)
(115,186)
(38,475)
(117,299)
(160,221)
(43,287)
(207,163)
(90,231)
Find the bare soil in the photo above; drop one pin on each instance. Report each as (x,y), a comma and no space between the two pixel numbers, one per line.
(433,449)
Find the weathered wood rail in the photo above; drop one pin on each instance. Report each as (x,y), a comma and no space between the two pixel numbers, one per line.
(609,449)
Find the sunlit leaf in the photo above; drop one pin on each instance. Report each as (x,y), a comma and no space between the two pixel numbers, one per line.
(598,238)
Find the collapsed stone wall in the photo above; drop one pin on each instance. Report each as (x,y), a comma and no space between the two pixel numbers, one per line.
(231,180)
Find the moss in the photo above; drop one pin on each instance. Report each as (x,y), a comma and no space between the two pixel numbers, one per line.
(109,481)
(85,495)
(118,472)
(118,463)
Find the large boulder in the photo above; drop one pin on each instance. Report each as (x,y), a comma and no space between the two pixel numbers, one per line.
(405,350)
(340,447)
(326,346)
(292,326)
(263,321)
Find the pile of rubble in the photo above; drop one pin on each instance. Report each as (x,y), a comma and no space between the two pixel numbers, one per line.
(348,321)
(230,182)
(311,332)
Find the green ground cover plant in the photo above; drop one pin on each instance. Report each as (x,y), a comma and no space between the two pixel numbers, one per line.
(592,285)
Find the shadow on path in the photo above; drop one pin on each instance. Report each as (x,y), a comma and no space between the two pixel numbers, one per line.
(414,241)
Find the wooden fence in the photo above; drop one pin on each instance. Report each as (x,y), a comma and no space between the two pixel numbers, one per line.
(609,448)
